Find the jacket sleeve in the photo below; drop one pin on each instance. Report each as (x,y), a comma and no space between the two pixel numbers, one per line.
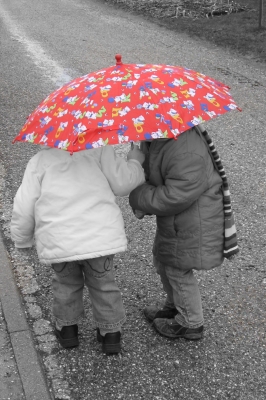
(123,176)
(185,179)
(23,221)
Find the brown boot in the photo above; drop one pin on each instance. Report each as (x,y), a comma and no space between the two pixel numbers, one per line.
(170,328)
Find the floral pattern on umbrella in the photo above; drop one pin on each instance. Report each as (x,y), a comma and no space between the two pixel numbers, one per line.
(123,103)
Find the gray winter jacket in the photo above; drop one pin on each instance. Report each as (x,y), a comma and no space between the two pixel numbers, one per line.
(184,191)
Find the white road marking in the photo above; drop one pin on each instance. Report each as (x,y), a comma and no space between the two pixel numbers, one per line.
(41,59)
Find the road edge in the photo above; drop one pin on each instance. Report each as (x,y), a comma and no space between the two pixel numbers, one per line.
(29,364)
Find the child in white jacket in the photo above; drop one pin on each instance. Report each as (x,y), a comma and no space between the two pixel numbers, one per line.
(67,202)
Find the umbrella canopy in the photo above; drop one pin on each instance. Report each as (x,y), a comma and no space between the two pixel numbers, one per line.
(123,103)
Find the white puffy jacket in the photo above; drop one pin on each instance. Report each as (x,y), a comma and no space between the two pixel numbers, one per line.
(68,202)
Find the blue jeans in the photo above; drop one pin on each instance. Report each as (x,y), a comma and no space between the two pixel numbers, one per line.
(97,274)
(183,294)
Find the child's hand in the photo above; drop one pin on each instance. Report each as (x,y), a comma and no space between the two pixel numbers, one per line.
(135,154)
(139,214)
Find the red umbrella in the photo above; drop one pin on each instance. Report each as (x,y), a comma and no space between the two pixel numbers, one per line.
(125,103)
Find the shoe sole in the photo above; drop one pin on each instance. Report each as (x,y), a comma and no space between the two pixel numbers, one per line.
(193,336)
(111,348)
(67,343)
(188,336)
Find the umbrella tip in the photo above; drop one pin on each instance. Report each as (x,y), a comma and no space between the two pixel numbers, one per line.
(118,58)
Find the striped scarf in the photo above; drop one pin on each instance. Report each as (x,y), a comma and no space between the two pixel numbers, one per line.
(230,238)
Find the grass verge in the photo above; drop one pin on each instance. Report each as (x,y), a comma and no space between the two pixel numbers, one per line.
(238,31)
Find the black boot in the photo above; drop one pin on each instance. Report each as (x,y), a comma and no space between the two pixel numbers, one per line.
(68,336)
(110,342)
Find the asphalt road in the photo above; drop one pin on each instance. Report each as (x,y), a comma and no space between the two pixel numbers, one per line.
(45,44)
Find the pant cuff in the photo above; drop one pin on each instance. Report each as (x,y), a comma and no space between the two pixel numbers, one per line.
(110,326)
(60,323)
